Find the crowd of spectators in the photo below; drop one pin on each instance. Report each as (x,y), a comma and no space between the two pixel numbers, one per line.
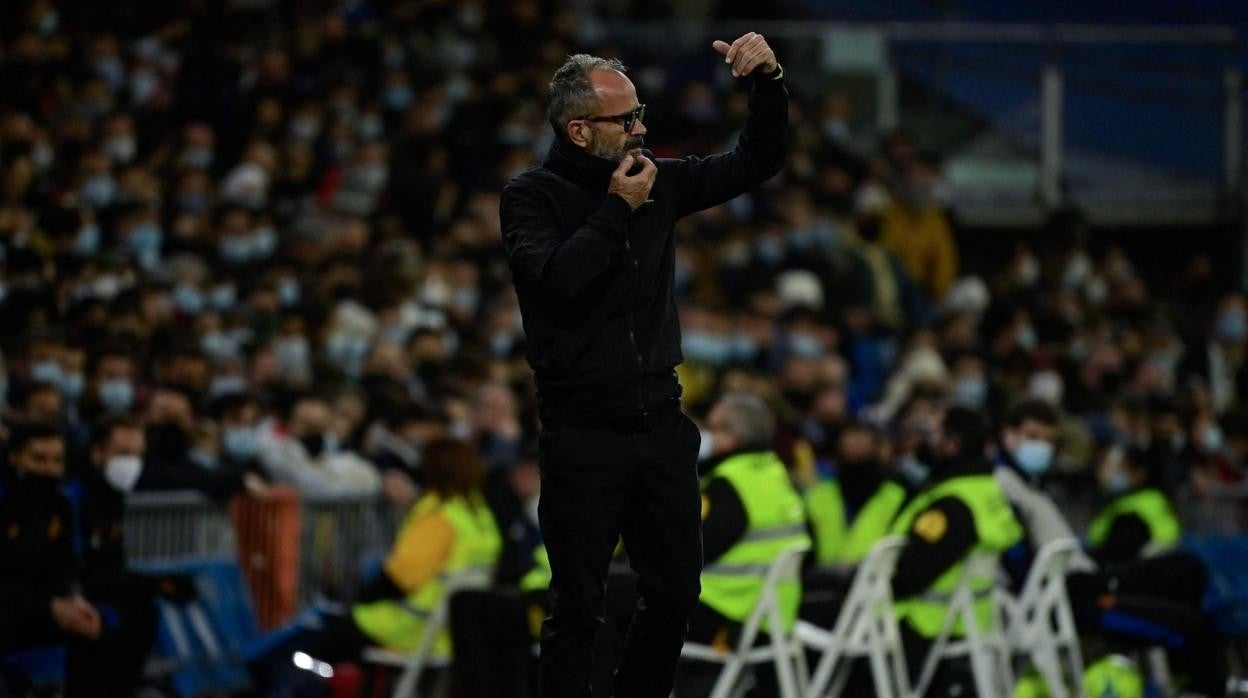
(270,234)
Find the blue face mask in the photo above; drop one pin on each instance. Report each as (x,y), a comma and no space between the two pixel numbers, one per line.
(144,242)
(98,191)
(971,392)
(1232,327)
(235,249)
(263,242)
(500,344)
(116,394)
(744,348)
(48,371)
(769,250)
(87,243)
(240,443)
(1118,483)
(706,348)
(223,297)
(397,97)
(288,292)
(1034,456)
(805,346)
(189,299)
(72,387)
(219,345)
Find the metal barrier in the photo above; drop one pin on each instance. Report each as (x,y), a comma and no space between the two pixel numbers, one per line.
(1222,513)
(339,538)
(176,526)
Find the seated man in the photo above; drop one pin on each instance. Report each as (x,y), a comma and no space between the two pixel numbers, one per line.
(961,511)
(750,512)
(40,601)
(97,498)
(854,501)
(1134,602)
(303,450)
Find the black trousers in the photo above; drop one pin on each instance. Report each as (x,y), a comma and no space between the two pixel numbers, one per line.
(600,484)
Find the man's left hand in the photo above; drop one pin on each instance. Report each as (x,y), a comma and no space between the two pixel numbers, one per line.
(747,54)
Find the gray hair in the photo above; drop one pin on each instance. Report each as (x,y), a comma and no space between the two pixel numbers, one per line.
(749,417)
(570,94)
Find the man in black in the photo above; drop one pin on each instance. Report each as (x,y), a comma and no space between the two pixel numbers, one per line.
(40,600)
(590,238)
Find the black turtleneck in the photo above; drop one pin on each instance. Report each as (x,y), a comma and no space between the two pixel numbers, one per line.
(595,278)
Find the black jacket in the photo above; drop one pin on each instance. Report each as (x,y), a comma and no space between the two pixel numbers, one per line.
(594,279)
(37,560)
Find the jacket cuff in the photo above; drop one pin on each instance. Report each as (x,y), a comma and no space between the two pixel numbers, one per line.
(769,82)
(615,213)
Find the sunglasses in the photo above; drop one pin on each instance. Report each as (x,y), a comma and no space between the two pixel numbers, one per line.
(626,120)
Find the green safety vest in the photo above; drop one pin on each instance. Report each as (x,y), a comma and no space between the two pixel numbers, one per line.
(1151,506)
(538,576)
(996,529)
(733,584)
(1113,676)
(398,624)
(839,541)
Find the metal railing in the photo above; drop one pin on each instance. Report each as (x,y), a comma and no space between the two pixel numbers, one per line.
(176,526)
(338,537)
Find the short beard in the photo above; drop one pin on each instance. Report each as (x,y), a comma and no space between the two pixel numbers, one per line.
(615,155)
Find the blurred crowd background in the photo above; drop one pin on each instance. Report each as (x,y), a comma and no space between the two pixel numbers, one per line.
(269,231)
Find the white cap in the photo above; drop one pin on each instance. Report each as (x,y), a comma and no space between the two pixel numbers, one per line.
(798,287)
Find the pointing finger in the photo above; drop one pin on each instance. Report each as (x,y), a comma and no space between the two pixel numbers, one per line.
(721,46)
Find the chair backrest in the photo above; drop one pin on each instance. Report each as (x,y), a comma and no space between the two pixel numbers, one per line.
(871,591)
(786,567)
(1045,587)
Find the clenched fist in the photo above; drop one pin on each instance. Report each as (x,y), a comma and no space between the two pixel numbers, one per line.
(747,54)
(634,189)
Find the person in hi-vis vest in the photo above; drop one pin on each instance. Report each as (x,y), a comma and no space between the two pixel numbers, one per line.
(449,530)
(959,512)
(854,500)
(1137,519)
(750,512)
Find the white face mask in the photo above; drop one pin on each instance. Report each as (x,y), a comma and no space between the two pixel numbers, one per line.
(705,448)
(122,472)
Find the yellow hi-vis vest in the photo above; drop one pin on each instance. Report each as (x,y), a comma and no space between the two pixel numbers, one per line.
(1151,506)
(842,542)
(398,624)
(733,584)
(997,530)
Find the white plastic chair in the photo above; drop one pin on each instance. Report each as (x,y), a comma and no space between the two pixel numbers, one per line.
(415,662)
(1040,624)
(783,650)
(987,649)
(865,627)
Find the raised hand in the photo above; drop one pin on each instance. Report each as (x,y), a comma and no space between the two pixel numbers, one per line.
(747,54)
(634,189)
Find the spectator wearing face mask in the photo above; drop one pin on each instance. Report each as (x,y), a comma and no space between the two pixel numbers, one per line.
(855,499)
(1027,447)
(303,450)
(238,427)
(98,500)
(1137,519)
(1218,360)
(168,463)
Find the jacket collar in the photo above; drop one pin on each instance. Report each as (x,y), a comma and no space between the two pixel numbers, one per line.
(579,167)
